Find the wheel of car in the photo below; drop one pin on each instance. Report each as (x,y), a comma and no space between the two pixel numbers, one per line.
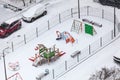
(32,19)
(6,35)
(19,27)
(44,13)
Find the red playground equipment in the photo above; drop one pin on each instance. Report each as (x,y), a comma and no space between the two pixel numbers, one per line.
(15,76)
(14,66)
(45,55)
(65,36)
(34,58)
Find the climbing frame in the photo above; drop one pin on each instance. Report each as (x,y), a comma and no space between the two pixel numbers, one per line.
(76,26)
(89,29)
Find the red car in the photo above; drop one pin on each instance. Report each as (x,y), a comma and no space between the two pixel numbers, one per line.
(10,26)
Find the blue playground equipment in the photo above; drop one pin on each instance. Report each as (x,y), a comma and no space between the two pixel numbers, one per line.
(64,35)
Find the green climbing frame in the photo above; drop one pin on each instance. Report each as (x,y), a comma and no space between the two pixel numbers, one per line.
(89,29)
(42,50)
(49,55)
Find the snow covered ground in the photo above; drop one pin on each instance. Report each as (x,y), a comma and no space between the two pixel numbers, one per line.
(83,39)
(22,54)
(52,11)
(3,13)
(101,59)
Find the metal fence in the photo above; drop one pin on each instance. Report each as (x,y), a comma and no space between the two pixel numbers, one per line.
(21,40)
(86,52)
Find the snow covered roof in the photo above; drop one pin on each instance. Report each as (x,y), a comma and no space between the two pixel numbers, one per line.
(12,20)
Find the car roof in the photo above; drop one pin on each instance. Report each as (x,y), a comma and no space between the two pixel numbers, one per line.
(31,10)
(34,8)
(12,20)
(38,6)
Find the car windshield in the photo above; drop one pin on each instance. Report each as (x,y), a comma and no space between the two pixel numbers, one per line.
(4,25)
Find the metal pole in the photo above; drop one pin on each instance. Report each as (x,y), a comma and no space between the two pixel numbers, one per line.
(78,57)
(89,49)
(78,9)
(59,18)
(65,65)
(102,13)
(48,25)
(36,32)
(114,22)
(4,65)
(100,41)
(25,38)
(12,46)
(53,72)
(87,10)
(72,12)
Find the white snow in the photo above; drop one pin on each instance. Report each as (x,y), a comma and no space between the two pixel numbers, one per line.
(23,54)
(12,20)
(103,58)
(81,72)
(117,54)
(32,11)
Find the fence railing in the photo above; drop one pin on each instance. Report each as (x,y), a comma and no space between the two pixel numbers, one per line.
(71,13)
(86,52)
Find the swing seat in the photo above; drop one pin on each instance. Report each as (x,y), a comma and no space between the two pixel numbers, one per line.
(58,38)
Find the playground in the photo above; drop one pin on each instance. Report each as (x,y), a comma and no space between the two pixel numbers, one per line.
(58,43)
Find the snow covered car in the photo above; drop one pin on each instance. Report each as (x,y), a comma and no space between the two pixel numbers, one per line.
(9,26)
(116,57)
(33,13)
(114,3)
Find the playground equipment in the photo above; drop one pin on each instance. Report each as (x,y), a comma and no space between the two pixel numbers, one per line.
(35,57)
(43,74)
(92,22)
(65,36)
(46,55)
(15,76)
(89,29)
(76,26)
(13,66)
